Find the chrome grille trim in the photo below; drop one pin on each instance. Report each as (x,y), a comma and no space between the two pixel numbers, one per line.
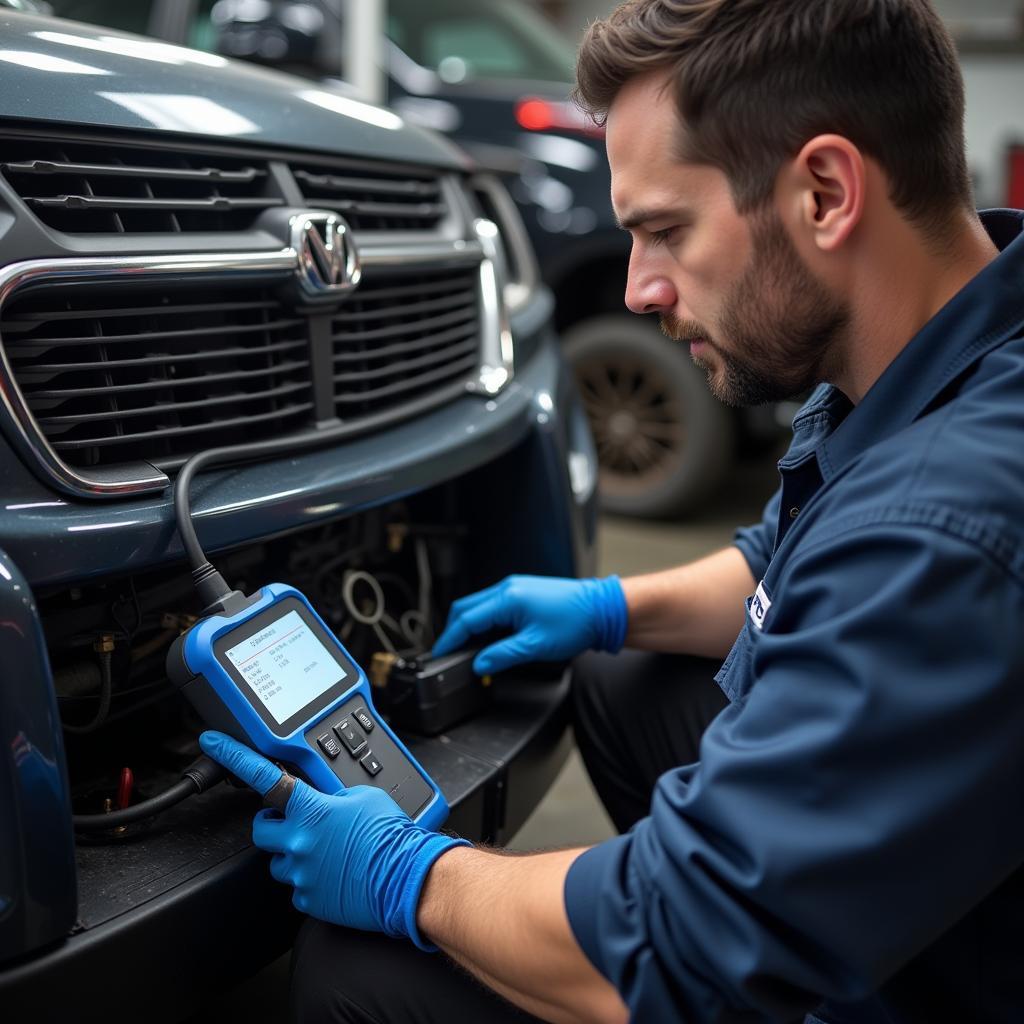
(267,267)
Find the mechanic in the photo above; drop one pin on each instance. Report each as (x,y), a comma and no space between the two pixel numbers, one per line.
(836,829)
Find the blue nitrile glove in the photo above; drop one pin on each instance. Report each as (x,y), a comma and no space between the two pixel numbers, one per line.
(354,858)
(553,619)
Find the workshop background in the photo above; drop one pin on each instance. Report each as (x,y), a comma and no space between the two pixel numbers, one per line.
(990,34)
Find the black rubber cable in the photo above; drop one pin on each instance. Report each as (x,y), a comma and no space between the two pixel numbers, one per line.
(227,453)
(196,778)
(208,582)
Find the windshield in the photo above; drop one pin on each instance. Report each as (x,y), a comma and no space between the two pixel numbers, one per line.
(466,39)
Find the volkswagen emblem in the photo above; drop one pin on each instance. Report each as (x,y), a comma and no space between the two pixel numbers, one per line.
(328,262)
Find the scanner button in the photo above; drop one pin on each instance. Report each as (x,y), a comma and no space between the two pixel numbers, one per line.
(363,718)
(370,763)
(346,732)
(329,745)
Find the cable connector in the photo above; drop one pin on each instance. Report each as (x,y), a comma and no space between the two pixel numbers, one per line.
(217,597)
(204,773)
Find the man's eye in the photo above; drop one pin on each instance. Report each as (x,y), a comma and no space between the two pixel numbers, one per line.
(663,236)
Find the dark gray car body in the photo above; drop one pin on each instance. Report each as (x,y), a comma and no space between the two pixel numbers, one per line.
(62,917)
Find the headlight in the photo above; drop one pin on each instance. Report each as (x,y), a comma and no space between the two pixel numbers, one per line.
(496,204)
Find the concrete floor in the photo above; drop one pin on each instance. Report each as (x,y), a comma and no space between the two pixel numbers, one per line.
(570,814)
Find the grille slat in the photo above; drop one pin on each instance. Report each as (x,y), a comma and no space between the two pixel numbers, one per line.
(346,183)
(388,293)
(402,387)
(218,203)
(246,174)
(405,347)
(118,339)
(107,187)
(401,329)
(25,321)
(356,211)
(461,298)
(174,432)
(159,410)
(176,382)
(387,201)
(457,350)
(160,359)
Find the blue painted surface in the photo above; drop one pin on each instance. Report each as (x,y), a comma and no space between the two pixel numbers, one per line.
(37,860)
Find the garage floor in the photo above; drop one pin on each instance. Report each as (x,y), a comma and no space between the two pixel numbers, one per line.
(570,813)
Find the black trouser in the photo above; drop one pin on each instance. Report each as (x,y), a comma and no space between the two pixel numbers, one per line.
(635,715)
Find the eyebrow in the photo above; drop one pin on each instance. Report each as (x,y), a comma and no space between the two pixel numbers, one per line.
(653,213)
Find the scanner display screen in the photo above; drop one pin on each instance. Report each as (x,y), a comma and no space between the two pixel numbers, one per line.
(285,665)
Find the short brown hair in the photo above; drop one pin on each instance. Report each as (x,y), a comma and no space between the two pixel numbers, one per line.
(755,80)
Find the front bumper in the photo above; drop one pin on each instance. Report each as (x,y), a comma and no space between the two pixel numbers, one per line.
(190,907)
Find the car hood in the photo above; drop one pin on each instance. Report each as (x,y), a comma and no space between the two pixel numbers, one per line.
(53,70)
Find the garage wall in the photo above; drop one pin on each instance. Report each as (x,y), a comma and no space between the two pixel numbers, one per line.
(995,117)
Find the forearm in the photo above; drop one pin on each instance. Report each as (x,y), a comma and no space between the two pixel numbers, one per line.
(694,609)
(503,918)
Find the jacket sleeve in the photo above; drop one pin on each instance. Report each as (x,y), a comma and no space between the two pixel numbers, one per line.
(808,855)
(757,542)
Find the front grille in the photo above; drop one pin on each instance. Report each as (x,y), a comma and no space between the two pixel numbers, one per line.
(156,374)
(116,361)
(107,188)
(401,338)
(374,200)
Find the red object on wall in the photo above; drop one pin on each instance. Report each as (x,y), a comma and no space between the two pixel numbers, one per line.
(1015,176)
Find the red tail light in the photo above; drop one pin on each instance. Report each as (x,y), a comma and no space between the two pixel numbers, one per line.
(537,115)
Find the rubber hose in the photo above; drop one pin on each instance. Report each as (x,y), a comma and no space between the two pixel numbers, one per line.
(197,777)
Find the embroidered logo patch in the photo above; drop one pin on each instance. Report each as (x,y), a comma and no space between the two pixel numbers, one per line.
(759,605)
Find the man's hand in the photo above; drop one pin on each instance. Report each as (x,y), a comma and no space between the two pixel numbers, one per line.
(553,619)
(354,859)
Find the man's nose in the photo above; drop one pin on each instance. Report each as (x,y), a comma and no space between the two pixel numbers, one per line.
(648,291)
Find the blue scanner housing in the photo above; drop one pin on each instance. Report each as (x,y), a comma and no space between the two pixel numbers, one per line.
(246,671)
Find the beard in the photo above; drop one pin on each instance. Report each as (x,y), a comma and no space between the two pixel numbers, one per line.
(779,321)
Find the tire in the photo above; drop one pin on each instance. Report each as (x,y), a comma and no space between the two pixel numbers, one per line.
(663,440)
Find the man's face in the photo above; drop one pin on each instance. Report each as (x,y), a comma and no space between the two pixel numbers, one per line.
(733,287)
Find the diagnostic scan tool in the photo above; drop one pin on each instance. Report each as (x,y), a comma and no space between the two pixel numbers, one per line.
(266,670)
(269,672)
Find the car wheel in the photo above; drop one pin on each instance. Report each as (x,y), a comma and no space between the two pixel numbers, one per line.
(663,441)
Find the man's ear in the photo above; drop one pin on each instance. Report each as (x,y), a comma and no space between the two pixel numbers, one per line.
(828,179)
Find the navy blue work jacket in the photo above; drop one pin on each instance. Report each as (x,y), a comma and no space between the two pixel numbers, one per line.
(851,842)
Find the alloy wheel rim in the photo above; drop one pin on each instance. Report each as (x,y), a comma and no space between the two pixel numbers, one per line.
(638,424)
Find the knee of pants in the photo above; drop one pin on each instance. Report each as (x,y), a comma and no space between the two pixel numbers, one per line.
(603,687)
(320,949)
(589,700)
(308,985)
